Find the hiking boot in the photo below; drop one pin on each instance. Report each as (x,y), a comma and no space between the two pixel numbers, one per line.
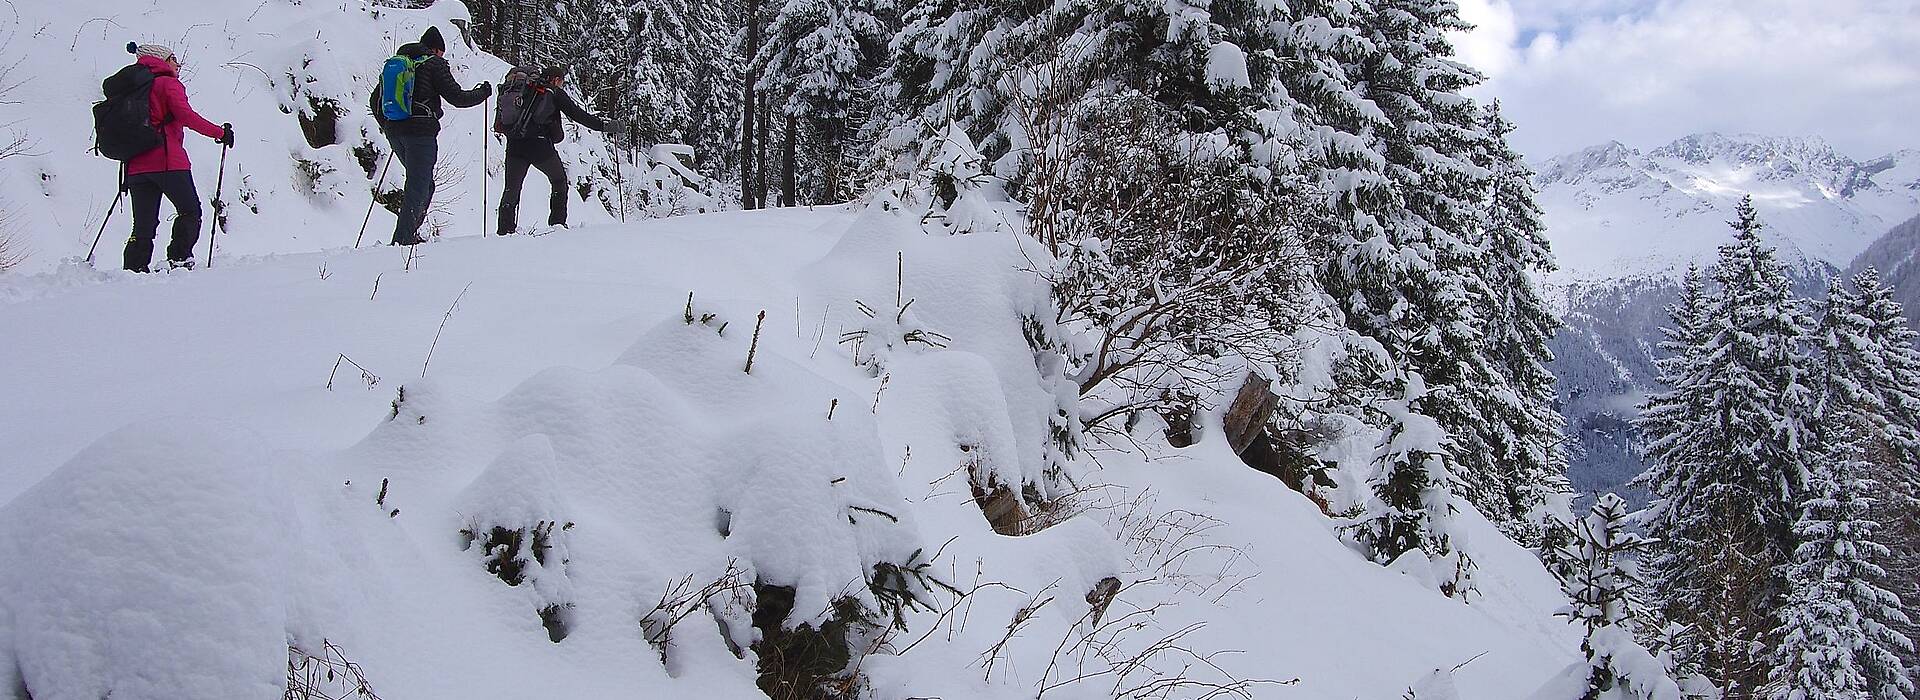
(415,241)
(179,264)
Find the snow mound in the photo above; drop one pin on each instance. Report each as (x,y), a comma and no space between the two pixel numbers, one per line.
(604,500)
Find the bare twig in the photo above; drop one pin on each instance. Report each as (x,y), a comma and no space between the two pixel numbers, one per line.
(370,378)
(443,326)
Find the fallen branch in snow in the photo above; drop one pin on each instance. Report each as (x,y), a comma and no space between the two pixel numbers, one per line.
(1137,672)
(443,326)
(755,345)
(681,599)
(1021,617)
(881,513)
(959,600)
(370,378)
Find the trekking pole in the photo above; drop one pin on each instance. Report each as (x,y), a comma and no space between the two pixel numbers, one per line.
(374,200)
(218,206)
(109,215)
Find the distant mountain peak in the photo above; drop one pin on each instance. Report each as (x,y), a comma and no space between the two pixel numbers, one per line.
(1571,167)
(1749,149)
(1614,212)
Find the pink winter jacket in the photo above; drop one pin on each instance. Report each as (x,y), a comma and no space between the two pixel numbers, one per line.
(168,108)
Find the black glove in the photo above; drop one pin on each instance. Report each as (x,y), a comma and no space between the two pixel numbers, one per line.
(226,135)
(485,88)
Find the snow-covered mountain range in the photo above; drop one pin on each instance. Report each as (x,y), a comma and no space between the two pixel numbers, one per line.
(1617,213)
(1626,223)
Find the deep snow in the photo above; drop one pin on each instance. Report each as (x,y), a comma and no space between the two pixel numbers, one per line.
(219,524)
(182,496)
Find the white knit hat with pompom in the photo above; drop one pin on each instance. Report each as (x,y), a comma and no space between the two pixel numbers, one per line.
(155,50)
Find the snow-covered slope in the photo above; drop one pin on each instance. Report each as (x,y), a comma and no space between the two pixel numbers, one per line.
(1615,213)
(180,477)
(1894,255)
(293,77)
(1625,224)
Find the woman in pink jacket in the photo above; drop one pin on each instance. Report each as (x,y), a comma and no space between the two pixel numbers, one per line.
(166,170)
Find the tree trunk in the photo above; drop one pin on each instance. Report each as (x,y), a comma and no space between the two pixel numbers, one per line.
(749,105)
(787,158)
(760,155)
(830,188)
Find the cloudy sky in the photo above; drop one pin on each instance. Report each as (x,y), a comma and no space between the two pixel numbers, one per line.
(1573,73)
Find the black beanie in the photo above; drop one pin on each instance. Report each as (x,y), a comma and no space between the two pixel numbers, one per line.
(432,40)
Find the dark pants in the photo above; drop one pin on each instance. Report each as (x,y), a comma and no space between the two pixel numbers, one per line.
(556,173)
(146,189)
(417,155)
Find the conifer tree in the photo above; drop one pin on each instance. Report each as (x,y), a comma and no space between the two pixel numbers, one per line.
(1871,370)
(1603,589)
(818,54)
(1730,440)
(1834,641)
(1524,427)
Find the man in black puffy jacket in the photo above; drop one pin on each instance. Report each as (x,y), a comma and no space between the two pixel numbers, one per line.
(530,120)
(416,140)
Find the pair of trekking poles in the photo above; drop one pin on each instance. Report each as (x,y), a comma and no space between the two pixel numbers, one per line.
(486,143)
(219,206)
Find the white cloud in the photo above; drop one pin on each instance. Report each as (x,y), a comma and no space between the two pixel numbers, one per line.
(1490,46)
(1598,70)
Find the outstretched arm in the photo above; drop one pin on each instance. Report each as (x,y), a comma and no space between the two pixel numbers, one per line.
(180,110)
(574,111)
(441,73)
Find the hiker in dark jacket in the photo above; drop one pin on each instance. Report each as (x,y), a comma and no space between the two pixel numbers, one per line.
(416,140)
(531,124)
(165,170)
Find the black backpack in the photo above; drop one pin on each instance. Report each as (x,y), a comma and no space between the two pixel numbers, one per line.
(524,112)
(122,127)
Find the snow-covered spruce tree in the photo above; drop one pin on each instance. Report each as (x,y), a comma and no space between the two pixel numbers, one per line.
(1871,370)
(817,55)
(1132,131)
(1410,513)
(1602,590)
(1874,374)
(660,68)
(1361,82)
(1869,391)
(1669,412)
(1435,312)
(1345,133)
(1730,443)
(1833,640)
(1523,429)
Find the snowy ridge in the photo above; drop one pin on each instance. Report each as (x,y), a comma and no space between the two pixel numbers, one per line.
(247,506)
(1614,212)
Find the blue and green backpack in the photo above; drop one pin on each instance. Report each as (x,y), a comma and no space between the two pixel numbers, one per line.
(396,87)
